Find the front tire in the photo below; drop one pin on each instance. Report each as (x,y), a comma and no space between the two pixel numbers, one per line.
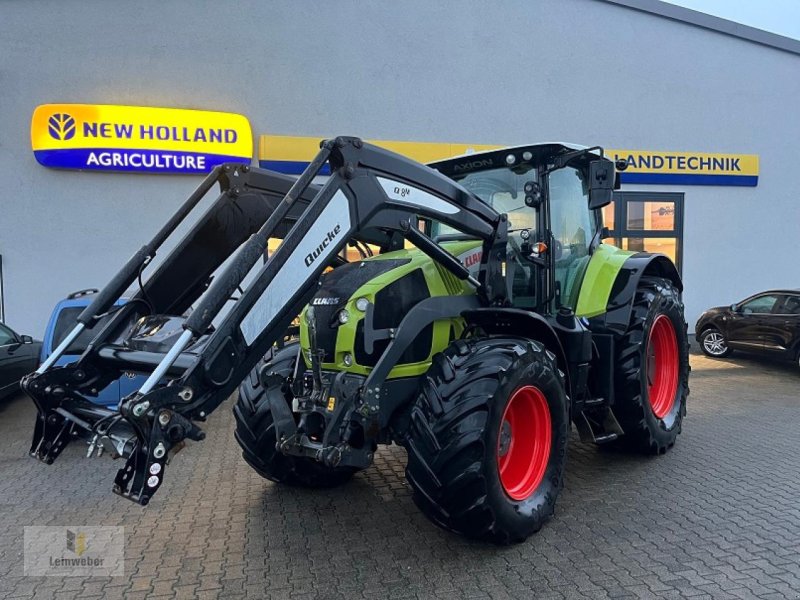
(714,344)
(488,439)
(652,379)
(255,427)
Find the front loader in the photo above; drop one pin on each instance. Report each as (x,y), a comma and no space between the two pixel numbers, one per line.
(481,317)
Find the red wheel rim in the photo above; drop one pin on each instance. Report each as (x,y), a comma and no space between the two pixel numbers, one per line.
(662,366)
(523,443)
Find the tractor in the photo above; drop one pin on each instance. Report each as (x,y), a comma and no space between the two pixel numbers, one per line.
(467,310)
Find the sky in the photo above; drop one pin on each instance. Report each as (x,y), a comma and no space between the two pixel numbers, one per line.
(777,16)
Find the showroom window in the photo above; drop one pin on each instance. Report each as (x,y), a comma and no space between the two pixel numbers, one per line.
(647,222)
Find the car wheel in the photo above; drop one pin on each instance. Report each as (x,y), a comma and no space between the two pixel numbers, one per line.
(714,344)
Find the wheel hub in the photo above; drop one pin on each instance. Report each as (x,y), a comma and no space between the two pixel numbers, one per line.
(523,442)
(505,439)
(651,365)
(662,366)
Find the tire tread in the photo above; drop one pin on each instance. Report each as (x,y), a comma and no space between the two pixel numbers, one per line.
(445,444)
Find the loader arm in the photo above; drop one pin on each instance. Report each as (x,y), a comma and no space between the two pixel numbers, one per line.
(372,195)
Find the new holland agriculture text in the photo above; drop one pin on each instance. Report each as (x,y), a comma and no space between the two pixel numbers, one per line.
(140,139)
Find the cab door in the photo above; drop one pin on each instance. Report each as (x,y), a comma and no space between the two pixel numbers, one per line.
(572,226)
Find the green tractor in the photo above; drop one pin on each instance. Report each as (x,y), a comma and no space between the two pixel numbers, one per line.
(481,316)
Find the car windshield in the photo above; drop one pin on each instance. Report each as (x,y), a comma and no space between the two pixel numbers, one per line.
(67,319)
(503,190)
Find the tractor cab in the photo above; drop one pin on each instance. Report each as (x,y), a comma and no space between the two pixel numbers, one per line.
(552,195)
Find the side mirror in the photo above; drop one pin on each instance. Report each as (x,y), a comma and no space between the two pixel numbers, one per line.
(601,183)
(26,339)
(620,165)
(734,307)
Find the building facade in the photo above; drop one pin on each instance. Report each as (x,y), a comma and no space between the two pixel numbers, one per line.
(634,74)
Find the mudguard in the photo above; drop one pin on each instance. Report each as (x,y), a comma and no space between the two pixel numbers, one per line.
(516,322)
(607,294)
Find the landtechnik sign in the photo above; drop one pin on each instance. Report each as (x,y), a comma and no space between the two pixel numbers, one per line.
(290,154)
(137,138)
(688,168)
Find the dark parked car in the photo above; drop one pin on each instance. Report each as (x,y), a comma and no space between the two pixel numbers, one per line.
(766,323)
(19,355)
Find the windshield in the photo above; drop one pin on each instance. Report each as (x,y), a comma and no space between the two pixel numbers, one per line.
(502,189)
(572,223)
(67,319)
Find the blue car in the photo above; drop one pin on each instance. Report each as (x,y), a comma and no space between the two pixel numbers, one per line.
(62,320)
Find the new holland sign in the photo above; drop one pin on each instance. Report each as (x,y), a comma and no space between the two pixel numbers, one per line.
(289,154)
(136,138)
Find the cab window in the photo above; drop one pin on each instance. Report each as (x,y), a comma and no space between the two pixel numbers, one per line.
(573,226)
(502,189)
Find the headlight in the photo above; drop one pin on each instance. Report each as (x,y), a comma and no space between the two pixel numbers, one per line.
(343,316)
(362,304)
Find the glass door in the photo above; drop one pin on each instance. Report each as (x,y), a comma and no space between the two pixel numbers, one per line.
(647,222)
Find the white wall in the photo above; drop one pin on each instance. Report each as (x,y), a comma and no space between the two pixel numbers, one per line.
(494,72)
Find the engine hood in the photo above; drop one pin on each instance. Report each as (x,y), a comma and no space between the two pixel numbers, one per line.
(363,301)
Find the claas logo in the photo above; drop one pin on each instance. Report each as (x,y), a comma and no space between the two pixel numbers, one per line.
(76,542)
(61,126)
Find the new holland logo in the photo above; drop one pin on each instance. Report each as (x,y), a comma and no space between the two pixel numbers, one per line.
(100,137)
(61,126)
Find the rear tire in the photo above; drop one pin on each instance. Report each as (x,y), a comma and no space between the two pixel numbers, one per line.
(488,439)
(652,379)
(255,427)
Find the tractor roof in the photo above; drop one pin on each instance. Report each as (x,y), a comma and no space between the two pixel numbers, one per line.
(493,159)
